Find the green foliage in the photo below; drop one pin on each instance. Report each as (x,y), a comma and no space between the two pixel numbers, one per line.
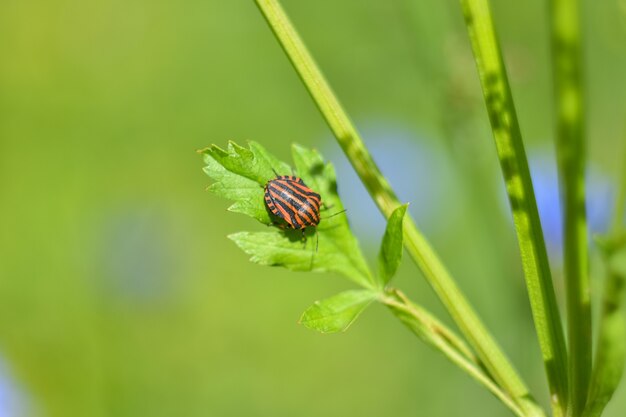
(242,190)
(338,252)
(337,313)
(391,249)
(485,363)
(425,257)
(285,248)
(240,174)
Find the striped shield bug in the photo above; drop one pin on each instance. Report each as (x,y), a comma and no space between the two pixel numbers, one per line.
(290,199)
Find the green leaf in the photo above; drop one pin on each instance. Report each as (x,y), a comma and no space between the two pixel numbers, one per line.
(391,249)
(333,228)
(246,193)
(337,313)
(240,174)
(255,163)
(285,248)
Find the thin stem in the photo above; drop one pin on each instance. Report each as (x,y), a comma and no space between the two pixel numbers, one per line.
(610,355)
(570,146)
(437,327)
(617,225)
(510,148)
(435,334)
(611,345)
(422,253)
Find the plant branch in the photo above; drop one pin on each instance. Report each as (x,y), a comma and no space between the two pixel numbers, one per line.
(570,147)
(436,326)
(420,250)
(510,148)
(438,336)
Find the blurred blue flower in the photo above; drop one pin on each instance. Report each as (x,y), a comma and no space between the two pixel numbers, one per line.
(137,255)
(599,191)
(12,401)
(417,168)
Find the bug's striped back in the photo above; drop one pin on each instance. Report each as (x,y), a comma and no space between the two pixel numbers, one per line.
(289,198)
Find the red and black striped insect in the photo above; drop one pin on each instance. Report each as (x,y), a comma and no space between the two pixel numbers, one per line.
(290,199)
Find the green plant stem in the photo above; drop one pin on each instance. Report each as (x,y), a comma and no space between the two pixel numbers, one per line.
(611,345)
(610,355)
(422,253)
(617,224)
(437,335)
(570,147)
(434,325)
(510,148)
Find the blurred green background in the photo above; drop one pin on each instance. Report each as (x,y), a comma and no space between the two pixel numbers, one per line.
(119,292)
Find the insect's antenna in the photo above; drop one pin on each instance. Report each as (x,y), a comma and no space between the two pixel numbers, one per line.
(275,173)
(339,212)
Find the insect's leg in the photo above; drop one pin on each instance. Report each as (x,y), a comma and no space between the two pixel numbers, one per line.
(275,173)
(317,240)
(313,253)
(281,226)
